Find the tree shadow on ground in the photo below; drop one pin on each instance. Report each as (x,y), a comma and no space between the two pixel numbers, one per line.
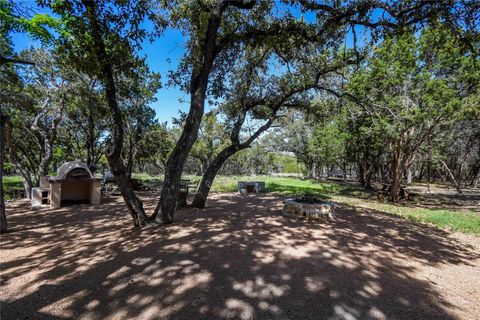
(238,258)
(450,201)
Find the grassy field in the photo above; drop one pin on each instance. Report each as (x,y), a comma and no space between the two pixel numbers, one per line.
(454,220)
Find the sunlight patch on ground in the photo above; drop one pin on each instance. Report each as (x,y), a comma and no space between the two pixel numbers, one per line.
(237,309)
(258,288)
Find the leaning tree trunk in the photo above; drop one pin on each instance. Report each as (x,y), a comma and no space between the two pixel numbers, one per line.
(3,217)
(455,182)
(217,163)
(46,158)
(210,174)
(114,150)
(176,161)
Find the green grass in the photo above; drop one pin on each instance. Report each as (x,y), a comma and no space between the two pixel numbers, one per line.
(148,179)
(462,221)
(12,183)
(284,185)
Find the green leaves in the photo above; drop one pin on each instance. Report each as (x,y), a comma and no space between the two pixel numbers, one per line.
(39,26)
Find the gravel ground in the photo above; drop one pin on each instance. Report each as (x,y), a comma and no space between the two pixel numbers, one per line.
(237,259)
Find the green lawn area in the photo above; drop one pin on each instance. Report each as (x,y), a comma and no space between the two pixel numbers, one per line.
(12,183)
(463,221)
(284,185)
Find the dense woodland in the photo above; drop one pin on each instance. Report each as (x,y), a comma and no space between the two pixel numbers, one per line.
(377,91)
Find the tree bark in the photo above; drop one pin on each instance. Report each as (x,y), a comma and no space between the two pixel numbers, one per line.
(456,183)
(90,132)
(210,174)
(176,161)
(409,176)
(47,134)
(368,176)
(114,150)
(217,163)
(361,173)
(397,172)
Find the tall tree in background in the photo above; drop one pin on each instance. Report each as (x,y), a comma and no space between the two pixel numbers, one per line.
(85,122)
(136,93)
(37,108)
(95,41)
(14,19)
(155,147)
(408,96)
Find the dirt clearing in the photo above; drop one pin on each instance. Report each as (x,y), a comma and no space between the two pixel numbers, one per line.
(239,258)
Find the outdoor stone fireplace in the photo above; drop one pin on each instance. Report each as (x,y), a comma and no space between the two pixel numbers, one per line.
(74,182)
(308,207)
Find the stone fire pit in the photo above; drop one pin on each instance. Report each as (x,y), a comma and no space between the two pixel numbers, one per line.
(308,207)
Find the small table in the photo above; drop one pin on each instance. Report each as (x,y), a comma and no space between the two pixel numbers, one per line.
(251,186)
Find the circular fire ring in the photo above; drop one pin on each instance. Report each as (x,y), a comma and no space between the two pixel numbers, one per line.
(308,207)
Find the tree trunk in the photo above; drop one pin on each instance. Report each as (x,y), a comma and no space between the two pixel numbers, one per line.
(210,174)
(90,136)
(131,155)
(452,177)
(114,150)
(28,186)
(204,165)
(46,158)
(368,176)
(134,204)
(474,174)
(176,161)
(3,217)
(443,179)
(422,171)
(409,176)
(397,173)
(361,174)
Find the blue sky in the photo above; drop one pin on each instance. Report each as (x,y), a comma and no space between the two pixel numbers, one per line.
(169,46)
